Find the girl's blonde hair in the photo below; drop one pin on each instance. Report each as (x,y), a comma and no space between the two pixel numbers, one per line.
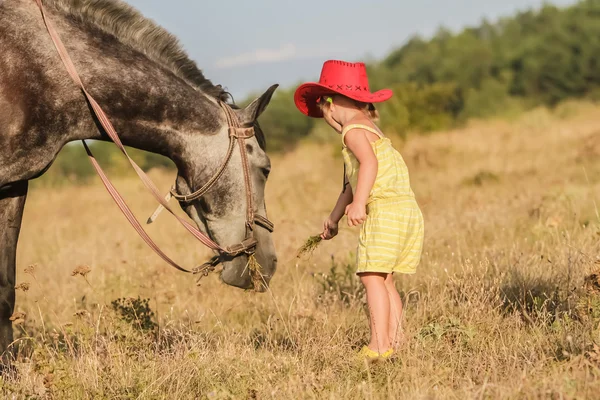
(368,108)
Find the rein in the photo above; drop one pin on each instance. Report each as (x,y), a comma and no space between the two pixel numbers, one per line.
(236,134)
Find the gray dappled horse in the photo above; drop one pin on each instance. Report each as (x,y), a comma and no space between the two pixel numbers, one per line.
(157,99)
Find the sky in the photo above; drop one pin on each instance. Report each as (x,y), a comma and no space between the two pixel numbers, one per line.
(248,45)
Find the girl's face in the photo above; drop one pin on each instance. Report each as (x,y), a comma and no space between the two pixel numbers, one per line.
(329,110)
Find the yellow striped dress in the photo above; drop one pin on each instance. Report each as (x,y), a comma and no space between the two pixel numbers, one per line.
(391,239)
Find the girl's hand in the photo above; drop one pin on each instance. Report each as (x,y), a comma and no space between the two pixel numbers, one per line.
(356,213)
(330,230)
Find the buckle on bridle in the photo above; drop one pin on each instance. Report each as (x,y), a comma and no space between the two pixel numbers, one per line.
(241,133)
(206,268)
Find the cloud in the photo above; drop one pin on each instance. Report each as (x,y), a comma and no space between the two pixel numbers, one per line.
(286,52)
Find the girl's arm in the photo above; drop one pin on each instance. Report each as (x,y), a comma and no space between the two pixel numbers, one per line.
(359,145)
(330,227)
(344,199)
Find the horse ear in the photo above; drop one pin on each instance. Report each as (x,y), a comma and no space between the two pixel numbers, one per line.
(256,108)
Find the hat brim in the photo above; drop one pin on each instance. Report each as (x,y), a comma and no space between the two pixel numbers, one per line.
(307,94)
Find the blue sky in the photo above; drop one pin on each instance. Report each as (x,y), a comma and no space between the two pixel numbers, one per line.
(247,45)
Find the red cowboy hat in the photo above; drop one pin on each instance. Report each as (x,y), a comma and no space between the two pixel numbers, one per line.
(348,79)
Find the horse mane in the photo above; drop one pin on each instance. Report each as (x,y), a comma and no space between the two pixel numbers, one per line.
(131,28)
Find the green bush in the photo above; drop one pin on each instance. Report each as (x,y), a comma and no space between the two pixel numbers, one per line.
(491,100)
(420,108)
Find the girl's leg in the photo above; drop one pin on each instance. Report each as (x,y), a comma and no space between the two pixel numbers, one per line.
(395,319)
(378,301)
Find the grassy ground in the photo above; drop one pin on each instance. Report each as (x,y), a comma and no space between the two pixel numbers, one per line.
(500,307)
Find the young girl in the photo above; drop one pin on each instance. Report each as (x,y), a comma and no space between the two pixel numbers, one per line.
(376,195)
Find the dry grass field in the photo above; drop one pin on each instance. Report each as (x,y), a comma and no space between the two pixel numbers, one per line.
(505,303)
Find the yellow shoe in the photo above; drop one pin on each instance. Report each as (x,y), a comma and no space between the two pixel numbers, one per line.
(372,355)
(387,355)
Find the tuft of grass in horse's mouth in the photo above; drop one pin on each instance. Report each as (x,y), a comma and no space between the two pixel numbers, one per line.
(254,269)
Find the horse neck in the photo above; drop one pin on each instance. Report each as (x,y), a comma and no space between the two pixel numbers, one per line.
(150,107)
(161,119)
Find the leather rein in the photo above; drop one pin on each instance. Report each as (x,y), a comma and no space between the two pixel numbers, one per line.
(237,134)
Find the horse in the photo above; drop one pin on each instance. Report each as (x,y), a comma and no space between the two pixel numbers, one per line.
(157,99)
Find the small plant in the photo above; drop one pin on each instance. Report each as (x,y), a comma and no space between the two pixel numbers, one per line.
(309,246)
(136,312)
(82,270)
(482,178)
(448,327)
(341,283)
(587,308)
(591,283)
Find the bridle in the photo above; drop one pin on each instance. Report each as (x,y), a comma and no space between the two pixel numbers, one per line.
(237,134)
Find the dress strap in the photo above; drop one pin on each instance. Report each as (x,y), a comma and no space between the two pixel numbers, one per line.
(359,126)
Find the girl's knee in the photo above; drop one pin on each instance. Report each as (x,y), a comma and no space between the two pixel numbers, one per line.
(372,278)
(389,282)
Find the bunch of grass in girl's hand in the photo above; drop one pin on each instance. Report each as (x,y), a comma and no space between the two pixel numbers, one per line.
(309,246)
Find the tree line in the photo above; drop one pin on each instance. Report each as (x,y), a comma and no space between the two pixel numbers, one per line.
(536,57)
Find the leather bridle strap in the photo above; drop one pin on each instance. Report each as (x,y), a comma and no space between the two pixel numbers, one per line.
(186,198)
(241,134)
